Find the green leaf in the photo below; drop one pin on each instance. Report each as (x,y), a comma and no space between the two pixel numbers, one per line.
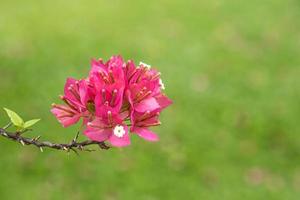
(14,118)
(31,123)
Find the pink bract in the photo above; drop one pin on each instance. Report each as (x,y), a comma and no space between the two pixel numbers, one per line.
(116,95)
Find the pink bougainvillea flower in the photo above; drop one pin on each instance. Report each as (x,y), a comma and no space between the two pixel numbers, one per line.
(77,95)
(141,123)
(144,90)
(109,83)
(115,95)
(110,71)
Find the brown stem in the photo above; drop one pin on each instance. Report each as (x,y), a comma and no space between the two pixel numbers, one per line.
(73,145)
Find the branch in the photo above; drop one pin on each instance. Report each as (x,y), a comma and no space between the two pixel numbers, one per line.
(73,145)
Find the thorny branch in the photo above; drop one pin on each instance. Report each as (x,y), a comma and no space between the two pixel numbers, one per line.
(73,145)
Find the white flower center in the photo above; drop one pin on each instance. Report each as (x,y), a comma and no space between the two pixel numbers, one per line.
(119,131)
(162,85)
(145,65)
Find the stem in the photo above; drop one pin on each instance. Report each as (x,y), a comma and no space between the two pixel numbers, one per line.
(73,145)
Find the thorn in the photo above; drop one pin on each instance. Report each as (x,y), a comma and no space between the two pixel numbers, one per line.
(22,142)
(41,149)
(5,134)
(76,137)
(65,148)
(36,138)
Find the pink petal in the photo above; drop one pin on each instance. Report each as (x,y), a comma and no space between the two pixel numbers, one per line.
(148,104)
(163,101)
(102,108)
(85,92)
(120,142)
(130,69)
(146,134)
(149,122)
(124,115)
(97,66)
(115,61)
(128,97)
(63,119)
(69,95)
(130,109)
(69,81)
(99,135)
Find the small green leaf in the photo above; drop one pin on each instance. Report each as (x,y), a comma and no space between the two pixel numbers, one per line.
(15,118)
(31,123)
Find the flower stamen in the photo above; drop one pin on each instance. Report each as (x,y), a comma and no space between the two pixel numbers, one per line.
(161,84)
(74,92)
(111,76)
(113,97)
(110,118)
(103,95)
(145,65)
(63,108)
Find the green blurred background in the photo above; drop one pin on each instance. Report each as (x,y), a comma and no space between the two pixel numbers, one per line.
(231,67)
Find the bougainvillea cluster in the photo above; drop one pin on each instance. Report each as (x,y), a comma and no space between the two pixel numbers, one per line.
(116,98)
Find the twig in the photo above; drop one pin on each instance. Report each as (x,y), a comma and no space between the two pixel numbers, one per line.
(73,145)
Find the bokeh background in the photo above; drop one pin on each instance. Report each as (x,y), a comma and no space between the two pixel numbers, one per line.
(231,67)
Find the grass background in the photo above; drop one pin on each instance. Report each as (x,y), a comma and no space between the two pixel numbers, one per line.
(231,67)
